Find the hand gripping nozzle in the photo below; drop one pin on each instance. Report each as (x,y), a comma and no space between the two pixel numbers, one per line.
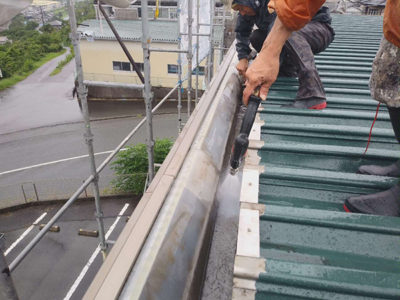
(242,140)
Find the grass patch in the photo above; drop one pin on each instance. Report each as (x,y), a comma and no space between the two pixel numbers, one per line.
(62,63)
(8,82)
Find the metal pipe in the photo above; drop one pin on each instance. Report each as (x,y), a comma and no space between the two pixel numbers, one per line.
(82,92)
(210,54)
(189,56)
(197,51)
(204,24)
(129,136)
(81,189)
(113,84)
(167,50)
(7,289)
(41,233)
(197,34)
(221,51)
(128,55)
(147,87)
(179,107)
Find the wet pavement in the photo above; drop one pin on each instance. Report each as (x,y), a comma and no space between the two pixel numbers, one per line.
(40,100)
(40,122)
(52,268)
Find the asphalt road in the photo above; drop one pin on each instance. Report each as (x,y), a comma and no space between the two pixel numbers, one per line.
(40,124)
(51,270)
(40,100)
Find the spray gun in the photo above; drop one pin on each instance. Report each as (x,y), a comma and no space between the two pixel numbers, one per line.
(242,140)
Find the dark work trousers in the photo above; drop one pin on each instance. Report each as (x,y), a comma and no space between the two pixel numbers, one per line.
(394,113)
(297,57)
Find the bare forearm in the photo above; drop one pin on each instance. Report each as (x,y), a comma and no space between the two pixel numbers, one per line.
(275,40)
(264,70)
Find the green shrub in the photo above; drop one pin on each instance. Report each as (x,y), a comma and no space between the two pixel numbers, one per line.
(131,166)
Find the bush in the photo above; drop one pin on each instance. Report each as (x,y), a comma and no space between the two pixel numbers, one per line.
(131,166)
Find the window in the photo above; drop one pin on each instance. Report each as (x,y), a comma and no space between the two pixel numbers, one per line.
(172,69)
(173,14)
(121,66)
(126,66)
(140,66)
(201,71)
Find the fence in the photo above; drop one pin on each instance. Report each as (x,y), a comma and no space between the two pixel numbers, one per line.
(52,189)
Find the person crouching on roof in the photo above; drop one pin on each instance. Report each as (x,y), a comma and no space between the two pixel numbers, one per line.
(297,56)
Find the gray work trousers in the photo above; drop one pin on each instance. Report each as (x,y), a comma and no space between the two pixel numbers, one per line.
(297,57)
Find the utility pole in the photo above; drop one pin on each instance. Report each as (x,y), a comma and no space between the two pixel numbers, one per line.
(41,11)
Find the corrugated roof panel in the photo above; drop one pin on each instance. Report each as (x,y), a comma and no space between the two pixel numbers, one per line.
(311,247)
(131,30)
(160,31)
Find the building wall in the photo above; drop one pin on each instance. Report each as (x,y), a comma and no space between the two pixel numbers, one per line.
(98,57)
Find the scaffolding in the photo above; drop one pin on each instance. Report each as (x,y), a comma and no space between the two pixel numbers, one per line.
(82,90)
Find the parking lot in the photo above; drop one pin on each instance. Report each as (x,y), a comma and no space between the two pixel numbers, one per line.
(63,264)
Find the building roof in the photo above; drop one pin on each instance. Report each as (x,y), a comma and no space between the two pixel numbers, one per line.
(374,2)
(310,246)
(55,23)
(131,30)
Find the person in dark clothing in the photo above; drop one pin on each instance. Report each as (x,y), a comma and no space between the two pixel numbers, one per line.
(297,57)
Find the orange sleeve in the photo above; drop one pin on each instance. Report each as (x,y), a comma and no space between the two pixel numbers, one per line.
(295,14)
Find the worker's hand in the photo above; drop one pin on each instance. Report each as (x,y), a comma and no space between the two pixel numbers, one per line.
(264,70)
(242,66)
(262,73)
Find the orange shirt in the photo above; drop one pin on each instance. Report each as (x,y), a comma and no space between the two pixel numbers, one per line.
(295,14)
(391,22)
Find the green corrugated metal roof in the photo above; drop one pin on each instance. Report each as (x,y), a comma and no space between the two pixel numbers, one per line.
(131,30)
(312,248)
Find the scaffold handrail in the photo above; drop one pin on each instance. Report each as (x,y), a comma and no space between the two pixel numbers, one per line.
(81,189)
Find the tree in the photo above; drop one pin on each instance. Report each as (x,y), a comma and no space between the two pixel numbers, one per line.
(29,45)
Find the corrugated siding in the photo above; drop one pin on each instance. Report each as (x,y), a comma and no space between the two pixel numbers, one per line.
(313,249)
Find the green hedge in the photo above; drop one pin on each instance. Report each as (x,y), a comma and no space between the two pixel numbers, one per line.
(131,166)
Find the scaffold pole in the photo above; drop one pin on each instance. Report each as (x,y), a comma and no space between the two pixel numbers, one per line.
(82,92)
(147,87)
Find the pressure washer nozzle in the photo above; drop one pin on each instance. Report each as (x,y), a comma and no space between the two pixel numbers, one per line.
(242,140)
(233,171)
